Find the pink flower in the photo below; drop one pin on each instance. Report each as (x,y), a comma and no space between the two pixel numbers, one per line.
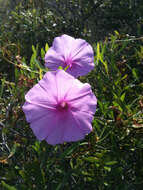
(60,108)
(77,54)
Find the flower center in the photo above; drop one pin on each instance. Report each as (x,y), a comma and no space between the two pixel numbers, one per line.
(62,106)
(68,62)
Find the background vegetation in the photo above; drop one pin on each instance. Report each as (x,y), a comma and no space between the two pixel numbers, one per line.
(111,157)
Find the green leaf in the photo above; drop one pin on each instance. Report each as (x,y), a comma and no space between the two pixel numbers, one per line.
(111,163)
(34,50)
(42,53)
(107,168)
(98,52)
(134,72)
(91,159)
(2,87)
(100,58)
(71,149)
(116,32)
(46,47)
(122,97)
(105,65)
(8,187)
(37,146)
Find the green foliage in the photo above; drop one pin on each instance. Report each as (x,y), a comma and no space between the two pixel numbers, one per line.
(26,23)
(37,22)
(110,157)
(8,187)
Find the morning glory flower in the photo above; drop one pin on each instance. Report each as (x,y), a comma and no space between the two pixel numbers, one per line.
(60,108)
(76,55)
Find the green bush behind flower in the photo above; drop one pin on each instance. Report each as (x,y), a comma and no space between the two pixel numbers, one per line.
(110,157)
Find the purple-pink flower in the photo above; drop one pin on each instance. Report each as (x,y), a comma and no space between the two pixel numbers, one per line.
(60,108)
(74,54)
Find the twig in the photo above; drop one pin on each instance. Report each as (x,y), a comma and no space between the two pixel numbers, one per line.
(126,40)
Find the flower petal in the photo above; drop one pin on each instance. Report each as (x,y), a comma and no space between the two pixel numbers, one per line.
(53,59)
(64,81)
(43,126)
(79,126)
(66,130)
(82,57)
(80,69)
(88,107)
(34,112)
(82,99)
(45,92)
(63,45)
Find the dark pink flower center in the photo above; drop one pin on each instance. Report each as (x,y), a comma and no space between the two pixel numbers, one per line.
(62,106)
(68,62)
